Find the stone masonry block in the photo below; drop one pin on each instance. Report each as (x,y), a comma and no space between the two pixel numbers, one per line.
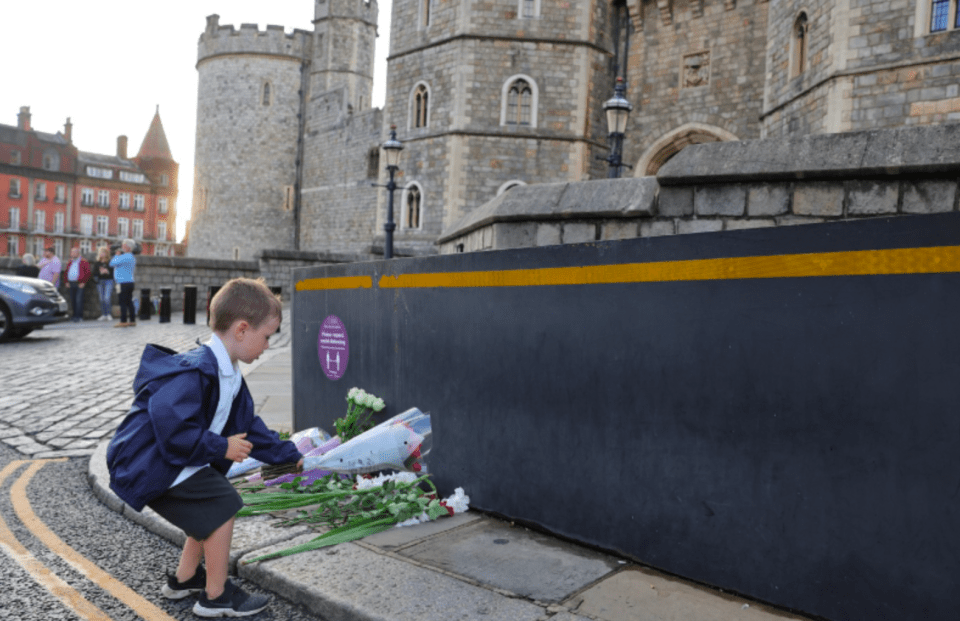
(514,234)
(871,197)
(675,201)
(720,200)
(619,229)
(579,232)
(928,196)
(699,226)
(818,199)
(657,228)
(768,199)
(758,223)
(548,234)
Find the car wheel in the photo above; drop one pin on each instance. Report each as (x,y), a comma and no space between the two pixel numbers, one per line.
(6,323)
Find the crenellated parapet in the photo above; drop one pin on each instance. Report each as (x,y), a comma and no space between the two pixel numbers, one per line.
(219,40)
(360,10)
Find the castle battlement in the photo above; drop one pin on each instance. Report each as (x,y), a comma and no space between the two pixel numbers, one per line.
(362,10)
(219,40)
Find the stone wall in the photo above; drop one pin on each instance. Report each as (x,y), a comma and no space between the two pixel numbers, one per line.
(732,185)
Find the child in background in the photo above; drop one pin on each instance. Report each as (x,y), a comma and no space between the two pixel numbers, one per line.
(193,416)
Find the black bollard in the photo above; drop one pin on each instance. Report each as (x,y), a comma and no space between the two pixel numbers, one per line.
(164,315)
(210,293)
(277,291)
(145,305)
(189,304)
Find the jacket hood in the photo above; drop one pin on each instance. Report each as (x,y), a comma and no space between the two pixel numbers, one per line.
(159,362)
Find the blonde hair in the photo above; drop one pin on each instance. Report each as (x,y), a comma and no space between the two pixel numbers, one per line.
(28,259)
(243,299)
(103,251)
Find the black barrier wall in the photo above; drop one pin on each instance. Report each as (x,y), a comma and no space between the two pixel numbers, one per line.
(772,412)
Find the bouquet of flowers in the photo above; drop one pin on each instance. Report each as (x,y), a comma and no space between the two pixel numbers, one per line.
(359,406)
(399,443)
(306,441)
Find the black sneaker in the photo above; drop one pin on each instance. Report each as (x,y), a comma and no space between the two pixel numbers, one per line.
(234,602)
(174,589)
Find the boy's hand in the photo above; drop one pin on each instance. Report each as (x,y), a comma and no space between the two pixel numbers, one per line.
(238,449)
(300,465)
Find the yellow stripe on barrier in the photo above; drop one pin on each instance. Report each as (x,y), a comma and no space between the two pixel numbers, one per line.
(339,282)
(938,259)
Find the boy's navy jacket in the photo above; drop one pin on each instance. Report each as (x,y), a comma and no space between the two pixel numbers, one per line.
(168,426)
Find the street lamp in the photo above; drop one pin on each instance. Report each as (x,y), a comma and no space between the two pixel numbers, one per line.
(618,111)
(391,151)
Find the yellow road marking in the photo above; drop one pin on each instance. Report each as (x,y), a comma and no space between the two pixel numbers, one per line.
(39,572)
(18,495)
(850,263)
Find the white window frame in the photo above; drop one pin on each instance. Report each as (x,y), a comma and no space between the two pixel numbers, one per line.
(14,214)
(58,222)
(103,226)
(137,228)
(103,198)
(41,191)
(85,246)
(57,247)
(88,197)
(60,193)
(403,207)
(534,99)
(162,204)
(924,15)
(86,224)
(123,200)
(123,227)
(411,110)
(521,4)
(13,245)
(138,202)
(40,221)
(16,188)
(162,230)
(39,245)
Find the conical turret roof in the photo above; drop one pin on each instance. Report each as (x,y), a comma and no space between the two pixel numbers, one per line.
(155,143)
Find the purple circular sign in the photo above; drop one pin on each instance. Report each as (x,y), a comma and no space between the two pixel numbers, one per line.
(333,348)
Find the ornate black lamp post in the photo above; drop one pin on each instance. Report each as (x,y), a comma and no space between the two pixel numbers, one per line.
(618,111)
(391,150)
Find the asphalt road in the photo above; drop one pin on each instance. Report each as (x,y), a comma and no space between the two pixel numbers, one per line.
(65,555)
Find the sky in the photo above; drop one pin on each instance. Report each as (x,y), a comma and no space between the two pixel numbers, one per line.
(108,64)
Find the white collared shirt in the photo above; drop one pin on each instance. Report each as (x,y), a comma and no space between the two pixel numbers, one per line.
(230,379)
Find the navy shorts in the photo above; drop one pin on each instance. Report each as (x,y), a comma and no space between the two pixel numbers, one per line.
(200,505)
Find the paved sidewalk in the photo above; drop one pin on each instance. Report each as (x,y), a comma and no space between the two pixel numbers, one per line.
(471,566)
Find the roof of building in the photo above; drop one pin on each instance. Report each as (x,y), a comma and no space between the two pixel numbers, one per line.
(11,134)
(155,142)
(85,157)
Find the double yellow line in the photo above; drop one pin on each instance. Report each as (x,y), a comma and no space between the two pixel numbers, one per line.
(938,259)
(40,573)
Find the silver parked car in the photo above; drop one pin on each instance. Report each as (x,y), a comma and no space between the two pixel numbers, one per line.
(27,304)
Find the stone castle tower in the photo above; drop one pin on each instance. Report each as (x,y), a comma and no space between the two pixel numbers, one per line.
(490,95)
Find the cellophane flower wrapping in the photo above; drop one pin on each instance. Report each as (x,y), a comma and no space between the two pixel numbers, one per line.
(399,443)
(306,440)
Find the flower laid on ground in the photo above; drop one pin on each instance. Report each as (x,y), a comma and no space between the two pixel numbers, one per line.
(353,509)
(360,404)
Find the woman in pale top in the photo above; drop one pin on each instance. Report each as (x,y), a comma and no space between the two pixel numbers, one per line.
(103,273)
(29,267)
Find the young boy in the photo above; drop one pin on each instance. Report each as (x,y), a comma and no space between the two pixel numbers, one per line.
(191,417)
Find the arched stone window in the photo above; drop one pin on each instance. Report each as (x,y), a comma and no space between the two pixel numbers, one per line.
(673,141)
(510,185)
(419,106)
(266,96)
(519,102)
(412,206)
(425,13)
(799,45)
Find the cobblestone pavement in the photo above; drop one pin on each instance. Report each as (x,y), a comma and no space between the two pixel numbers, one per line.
(68,386)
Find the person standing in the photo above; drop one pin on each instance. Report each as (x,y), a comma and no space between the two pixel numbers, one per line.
(29,267)
(103,274)
(124,265)
(50,266)
(78,273)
